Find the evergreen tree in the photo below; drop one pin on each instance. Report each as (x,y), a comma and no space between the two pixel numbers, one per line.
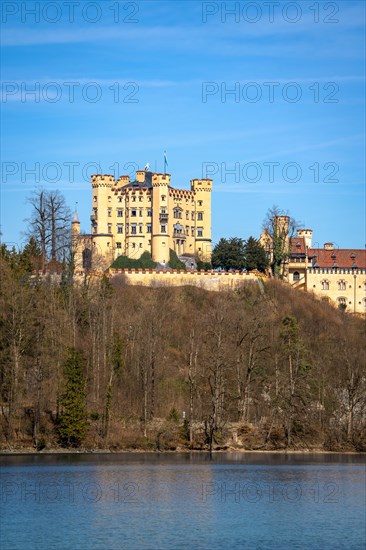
(255,255)
(229,254)
(72,423)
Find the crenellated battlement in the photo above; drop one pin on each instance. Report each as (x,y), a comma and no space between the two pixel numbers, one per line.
(102,180)
(160,180)
(201,185)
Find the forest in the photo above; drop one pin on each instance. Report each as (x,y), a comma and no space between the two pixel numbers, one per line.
(103,365)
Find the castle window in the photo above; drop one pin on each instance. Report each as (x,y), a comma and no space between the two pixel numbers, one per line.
(199,203)
(134,212)
(193,216)
(109,228)
(140,213)
(149,212)
(296,276)
(200,216)
(95,199)
(177,213)
(133,198)
(192,231)
(148,230)
(87,258)
(95,212)
(119,199)
(342,285)
(109,199)
(163,198)
(163,229)
(342,300)
(199,231)
(140,199)
(140,245)
(325,285)
(109,212)
(133,245)
(140,227)
(120,213)
(187,215)
(119,245)
(119,228)
(133,229)
(187,230)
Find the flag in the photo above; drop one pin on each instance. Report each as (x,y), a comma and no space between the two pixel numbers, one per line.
(165,162)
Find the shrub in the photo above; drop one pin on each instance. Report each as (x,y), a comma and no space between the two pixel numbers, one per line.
(174,261)
(144,262)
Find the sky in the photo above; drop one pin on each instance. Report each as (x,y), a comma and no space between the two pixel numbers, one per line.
(265,98)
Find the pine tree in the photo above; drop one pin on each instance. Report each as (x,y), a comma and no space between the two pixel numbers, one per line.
(72,423)
(255,255)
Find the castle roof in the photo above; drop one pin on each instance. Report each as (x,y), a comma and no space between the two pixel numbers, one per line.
(140,184)
(338,257)
(298,245)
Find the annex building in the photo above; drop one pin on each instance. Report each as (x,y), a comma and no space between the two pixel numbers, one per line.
(144,215)
(336,275)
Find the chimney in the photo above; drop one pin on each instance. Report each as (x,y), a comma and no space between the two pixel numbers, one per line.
(140,175)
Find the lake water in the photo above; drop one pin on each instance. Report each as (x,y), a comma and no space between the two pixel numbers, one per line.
(182,501)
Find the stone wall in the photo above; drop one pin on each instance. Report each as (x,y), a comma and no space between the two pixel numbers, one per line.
(209,280)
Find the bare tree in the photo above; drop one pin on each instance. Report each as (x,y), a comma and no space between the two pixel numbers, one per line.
(278,230)
(49,224)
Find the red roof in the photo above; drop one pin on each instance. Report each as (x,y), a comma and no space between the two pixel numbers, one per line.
(298,245)
(338,257)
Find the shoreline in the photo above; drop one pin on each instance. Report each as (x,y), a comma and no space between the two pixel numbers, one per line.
(31,451)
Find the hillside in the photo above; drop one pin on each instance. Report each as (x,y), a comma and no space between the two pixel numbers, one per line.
(113,366)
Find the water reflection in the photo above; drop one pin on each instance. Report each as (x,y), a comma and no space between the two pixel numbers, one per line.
(229,500)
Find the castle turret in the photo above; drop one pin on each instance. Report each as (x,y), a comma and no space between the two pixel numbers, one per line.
(307,234)
(102,217)
(75,224)
(202,191)
(160,217)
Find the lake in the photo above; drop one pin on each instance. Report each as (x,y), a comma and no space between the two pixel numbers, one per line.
(179,501)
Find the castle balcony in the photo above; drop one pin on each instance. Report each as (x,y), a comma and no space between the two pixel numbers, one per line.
(178,235)
(93,218)
(163,217)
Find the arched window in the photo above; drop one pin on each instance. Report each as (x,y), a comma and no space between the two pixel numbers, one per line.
(341,285)
(325,285)
(342,300)
(296,276)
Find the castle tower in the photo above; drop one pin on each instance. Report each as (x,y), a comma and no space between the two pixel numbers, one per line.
(307,234)
(76,241)
(102,219)
(160,217)
(75,225)
(202,190)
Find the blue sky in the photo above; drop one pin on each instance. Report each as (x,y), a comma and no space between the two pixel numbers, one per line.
(117,83)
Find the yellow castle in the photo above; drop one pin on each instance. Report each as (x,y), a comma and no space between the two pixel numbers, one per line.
(145,215)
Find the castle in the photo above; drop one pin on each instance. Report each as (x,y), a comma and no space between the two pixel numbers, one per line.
(336,275)
(148,215)
(145,215)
